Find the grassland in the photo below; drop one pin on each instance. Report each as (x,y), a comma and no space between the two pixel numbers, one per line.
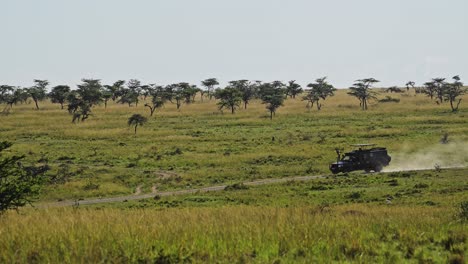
(198,146)
(388,217)
(342,219)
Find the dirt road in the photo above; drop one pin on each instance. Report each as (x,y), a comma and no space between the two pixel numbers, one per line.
(138,194)
(170,193)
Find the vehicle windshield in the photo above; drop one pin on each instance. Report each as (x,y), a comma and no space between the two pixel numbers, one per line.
(346,158)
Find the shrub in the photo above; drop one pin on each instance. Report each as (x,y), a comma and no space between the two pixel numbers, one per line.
(389,99)
(354,195)
(19,184)
(463,210)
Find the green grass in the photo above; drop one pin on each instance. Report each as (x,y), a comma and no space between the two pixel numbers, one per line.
(343,218)
(335,219)
(198,146)
(445,188)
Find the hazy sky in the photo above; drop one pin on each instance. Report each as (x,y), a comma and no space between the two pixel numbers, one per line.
(169,41)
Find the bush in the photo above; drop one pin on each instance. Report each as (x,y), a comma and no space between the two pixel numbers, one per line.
(389,99)
(354,195)
(90,186)
(19,184)
(463,211)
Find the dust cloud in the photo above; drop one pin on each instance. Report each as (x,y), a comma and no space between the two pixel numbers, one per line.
(450,155)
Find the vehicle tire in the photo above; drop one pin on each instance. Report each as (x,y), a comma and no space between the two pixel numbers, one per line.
(378,168)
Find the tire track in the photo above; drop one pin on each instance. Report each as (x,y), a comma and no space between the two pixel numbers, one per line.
(215,188)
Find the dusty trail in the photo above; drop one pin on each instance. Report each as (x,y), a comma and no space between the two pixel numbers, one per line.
(154,191)
(171,193)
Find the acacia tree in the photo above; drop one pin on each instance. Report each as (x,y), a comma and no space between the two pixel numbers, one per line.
(188,92)
(178,93)
(272,94)
(429,89)
(135,90)
(246,89)
(175,94)
(146,90)
(453,91)
(10,95)
(439,85)
(106,96)
(436,88)
(293,89)
(408,84)
(59,94)
(115,89)
(81,101)
(362,91)
(90,91)
(158,98)
(38,91)
(136,120)
(210,86)
(128,97)
(229,97)
(321,89)
(19,185)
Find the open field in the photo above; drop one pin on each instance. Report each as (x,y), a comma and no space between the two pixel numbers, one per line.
(396,216)
(197,146)
(339,218)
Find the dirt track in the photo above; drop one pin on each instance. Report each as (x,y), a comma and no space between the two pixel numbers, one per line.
(170,193)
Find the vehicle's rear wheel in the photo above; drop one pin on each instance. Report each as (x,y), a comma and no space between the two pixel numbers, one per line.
(378,168)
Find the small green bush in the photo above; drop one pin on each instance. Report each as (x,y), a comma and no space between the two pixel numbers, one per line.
(463,211)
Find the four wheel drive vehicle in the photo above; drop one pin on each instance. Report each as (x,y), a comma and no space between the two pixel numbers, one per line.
(372,159)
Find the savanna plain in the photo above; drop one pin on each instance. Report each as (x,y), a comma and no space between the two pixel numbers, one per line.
(415,211)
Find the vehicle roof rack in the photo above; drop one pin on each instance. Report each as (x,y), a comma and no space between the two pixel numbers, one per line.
(362,145)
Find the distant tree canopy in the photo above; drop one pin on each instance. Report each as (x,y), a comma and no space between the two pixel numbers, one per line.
(229,97)
(443,91)
(136,120)
(39,91)
(453,91)
(159,96)
(19,184)
(176,94)
(361,89)
(246,89)
(116,89)
(10,95)
(272,95)
(129,97)
(408,84)
(59,94)
(81,101)
(293,89)
(210,86)
(321,89)
(189,92)
(90,93)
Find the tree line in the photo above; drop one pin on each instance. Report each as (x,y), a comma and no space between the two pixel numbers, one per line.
(239,93)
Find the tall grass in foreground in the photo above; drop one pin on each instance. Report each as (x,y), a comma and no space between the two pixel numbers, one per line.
(241,233)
